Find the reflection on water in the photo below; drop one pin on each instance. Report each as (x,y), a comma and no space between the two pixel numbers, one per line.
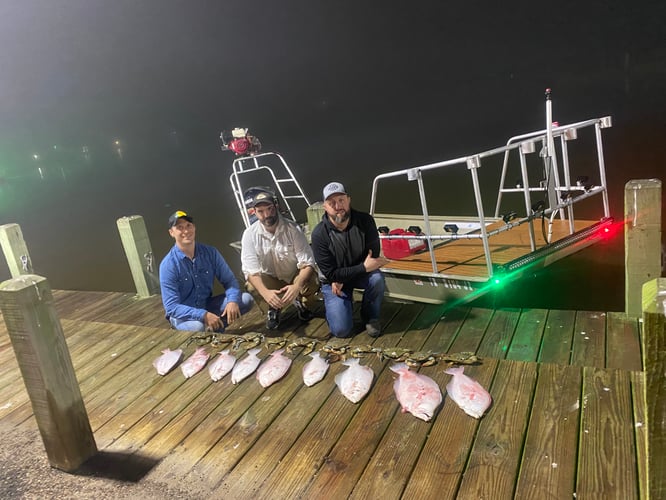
(67,206)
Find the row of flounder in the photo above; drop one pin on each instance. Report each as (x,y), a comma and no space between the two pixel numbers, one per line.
(417,394)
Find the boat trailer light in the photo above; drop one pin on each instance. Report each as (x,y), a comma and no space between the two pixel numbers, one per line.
(451,228)
(509,217)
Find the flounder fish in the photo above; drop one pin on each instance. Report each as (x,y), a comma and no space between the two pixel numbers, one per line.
(245,366)
(195,362)
(354,383)
(273,369)
(472,398)
(167,360)
(222,365)
(418,394)
(314,370)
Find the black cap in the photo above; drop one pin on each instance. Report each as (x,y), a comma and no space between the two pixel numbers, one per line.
(179,214)
(261,196)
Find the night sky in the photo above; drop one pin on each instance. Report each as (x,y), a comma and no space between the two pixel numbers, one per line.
(346,90)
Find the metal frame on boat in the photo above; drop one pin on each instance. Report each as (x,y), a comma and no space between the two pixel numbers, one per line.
(457,258)
(482,251)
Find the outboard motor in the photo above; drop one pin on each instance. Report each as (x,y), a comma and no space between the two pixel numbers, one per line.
(240,142)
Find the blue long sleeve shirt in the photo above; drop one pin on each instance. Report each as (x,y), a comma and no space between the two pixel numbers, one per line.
(187,284)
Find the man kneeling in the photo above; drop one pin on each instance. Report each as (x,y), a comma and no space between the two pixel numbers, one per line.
(277,260)
(187,274)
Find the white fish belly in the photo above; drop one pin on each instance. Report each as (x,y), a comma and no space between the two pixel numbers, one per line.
(221,366)
(314,370)
(419,395)
(273,370)
(469,395)
(243,369)
(354,383)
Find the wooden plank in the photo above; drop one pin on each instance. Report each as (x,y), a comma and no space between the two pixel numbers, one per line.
(87,343)
(472,331)
(548,468)
(100,369)
(557,337)
(246,432)
(493,463)
(310,452)
(607,454)
(259,461)
(195,445)
(465,257)
(441,464)
(354,448)
(653,342)
(389,468)
(589,340)
(641,431)
(128,384)
(623,343)
(526,342)
(403,434)
(500,331)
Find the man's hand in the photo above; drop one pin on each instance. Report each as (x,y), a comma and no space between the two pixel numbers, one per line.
(232,312)
(337,288)
(273,298)
(212,321)
(289,294)
(373,263)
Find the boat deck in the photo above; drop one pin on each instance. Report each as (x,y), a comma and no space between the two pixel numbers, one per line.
(565,420)
(466,258)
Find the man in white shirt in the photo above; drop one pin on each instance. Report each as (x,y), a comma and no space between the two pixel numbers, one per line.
(277,260)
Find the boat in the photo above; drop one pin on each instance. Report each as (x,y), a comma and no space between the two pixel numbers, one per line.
(547,205)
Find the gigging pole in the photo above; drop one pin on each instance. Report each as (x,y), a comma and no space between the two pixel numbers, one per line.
(549,160)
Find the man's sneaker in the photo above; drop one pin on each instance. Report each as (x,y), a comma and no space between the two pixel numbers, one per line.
(304,314)
(373,328)
(273,320)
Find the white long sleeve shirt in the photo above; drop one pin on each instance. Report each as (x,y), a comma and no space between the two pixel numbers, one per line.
(281,254)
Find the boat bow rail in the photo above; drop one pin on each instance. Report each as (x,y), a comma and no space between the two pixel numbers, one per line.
(473,250)
(267,168)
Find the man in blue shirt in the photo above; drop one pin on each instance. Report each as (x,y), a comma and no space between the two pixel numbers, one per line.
(187,274)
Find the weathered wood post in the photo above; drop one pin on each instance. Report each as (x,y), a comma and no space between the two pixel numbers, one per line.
(15,250)
(654,364)
(314,213)
(39,345)
(136,243)
(642,239)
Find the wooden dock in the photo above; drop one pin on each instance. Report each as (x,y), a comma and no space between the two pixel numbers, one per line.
(566,421)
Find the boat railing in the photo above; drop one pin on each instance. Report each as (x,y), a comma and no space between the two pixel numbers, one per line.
(562,193)
(282,179)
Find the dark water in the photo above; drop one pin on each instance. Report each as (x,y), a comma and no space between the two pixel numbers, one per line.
(345,94)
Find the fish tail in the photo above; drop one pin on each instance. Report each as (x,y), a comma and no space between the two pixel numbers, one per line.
(398,367)
(455,370)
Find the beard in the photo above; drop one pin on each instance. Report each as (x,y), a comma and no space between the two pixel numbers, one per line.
(339,218)
(270,221)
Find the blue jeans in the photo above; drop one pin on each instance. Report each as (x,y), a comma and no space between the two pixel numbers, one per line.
(215,305)
(339,309)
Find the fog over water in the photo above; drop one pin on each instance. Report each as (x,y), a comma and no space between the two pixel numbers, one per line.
(345,91)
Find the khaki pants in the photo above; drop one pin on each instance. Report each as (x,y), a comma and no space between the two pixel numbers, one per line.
(308,292)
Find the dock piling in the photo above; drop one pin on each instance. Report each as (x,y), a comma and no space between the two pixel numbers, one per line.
(41,352)
(136,243)
(642,239)
(15,250)
(654,365)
